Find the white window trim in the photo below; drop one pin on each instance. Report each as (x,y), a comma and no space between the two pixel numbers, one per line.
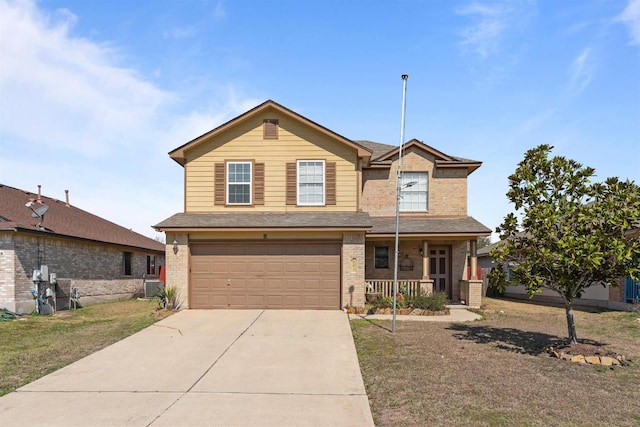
(324,182)
(228,183)
(412,190)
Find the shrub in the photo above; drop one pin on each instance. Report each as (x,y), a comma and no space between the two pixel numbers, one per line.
(168,298)
(387,302)
(434,302)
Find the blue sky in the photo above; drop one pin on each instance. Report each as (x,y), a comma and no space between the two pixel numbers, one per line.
(93,94)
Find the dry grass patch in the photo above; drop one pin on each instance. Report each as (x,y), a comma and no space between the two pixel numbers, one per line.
(34,346)
(494,372)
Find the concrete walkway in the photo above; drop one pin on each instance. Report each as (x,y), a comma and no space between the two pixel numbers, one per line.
(204,368)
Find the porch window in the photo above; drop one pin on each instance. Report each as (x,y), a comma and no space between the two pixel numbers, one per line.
(151,265)
(382,257)
(239,183)
(414,198)
(311,183)
(126,263)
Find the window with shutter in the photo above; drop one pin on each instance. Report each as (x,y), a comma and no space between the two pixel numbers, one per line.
(311,183)
(239,183)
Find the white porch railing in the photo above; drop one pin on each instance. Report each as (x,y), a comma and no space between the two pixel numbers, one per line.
(385,287)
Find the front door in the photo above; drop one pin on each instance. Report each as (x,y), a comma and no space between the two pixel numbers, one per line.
(439,269)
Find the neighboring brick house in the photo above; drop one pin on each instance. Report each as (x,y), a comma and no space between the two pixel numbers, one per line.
(102,260)
(281,212)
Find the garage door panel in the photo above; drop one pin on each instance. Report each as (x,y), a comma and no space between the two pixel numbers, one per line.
(255,285)
(312,284)
(257,267)
(274,266)
(258,275)
(291,284)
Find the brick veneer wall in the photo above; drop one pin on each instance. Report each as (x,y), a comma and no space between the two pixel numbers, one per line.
(7,269)
(412,249)
(95,270)
(447,187)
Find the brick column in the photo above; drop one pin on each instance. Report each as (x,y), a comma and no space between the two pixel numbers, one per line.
(474,292)
(353,287)
(177,265)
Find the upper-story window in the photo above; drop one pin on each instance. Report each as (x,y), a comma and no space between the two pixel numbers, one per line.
(414,197)
(239,183)
(311,182)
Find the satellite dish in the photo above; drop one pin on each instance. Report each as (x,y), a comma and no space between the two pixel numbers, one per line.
(39,213)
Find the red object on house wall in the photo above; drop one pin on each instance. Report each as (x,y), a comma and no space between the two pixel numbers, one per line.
(162,274)
(478,272)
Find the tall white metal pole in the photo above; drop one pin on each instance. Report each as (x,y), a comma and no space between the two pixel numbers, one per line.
(398,189)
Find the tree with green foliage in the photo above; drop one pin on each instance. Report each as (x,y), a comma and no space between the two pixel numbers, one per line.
(484,241)
(567,233)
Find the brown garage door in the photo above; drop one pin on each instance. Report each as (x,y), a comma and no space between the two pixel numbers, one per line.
(265,275)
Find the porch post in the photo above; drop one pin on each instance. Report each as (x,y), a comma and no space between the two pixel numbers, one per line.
(474,259)
(425,260)
(426,284)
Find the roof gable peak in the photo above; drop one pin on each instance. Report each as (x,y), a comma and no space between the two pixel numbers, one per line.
(420,145)
(178,154)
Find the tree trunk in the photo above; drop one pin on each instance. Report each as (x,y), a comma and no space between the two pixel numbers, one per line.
(571,324)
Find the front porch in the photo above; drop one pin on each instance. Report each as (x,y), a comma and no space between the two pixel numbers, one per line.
(424,267)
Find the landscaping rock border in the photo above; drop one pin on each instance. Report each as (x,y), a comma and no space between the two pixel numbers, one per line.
(611,359)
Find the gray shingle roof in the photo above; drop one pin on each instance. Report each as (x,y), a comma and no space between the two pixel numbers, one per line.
(464,225)
(346,220)
(377,148)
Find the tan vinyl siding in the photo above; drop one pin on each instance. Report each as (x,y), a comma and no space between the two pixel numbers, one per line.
(295,142)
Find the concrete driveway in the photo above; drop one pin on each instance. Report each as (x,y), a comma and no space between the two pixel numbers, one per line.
(208,367)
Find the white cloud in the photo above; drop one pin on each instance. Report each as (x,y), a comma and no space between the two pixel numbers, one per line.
(74,116)
(219,12)
(631,17)
(536,122)
(491,22)
(581,70)
(179,33)
(67,92)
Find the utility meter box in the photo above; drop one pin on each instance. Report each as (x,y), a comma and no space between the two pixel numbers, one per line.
(44,272)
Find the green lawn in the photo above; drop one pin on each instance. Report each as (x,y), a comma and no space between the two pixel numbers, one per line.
(493,372)
(34,346)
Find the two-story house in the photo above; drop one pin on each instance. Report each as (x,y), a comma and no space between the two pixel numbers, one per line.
(281,212)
